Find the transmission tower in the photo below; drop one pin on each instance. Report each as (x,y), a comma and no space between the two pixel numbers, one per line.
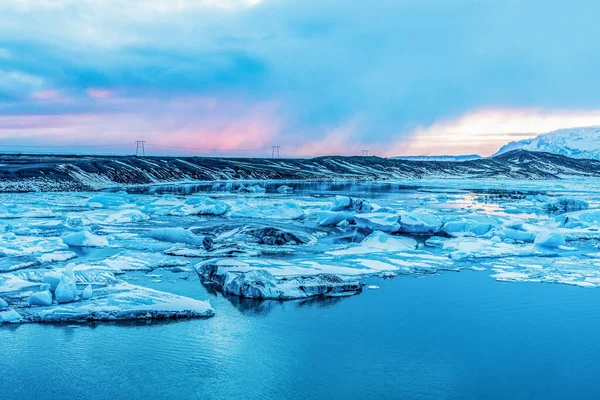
(275,151)
(365,153)
(139,147)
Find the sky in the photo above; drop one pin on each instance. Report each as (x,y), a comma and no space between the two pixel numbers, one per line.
(316,77)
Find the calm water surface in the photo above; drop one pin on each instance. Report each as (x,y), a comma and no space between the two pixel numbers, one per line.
(444,336)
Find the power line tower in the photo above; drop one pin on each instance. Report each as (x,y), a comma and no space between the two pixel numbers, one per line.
(139,147)
(275,151)
(365,153)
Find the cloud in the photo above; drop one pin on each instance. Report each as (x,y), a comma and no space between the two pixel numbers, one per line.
(385,68)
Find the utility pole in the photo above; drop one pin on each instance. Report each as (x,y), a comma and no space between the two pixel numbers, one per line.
(365,153)
(275,151)
(139,147)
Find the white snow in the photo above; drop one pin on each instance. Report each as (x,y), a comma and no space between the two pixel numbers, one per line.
(571,142)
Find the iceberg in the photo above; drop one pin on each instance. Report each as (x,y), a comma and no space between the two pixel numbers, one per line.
(261,284)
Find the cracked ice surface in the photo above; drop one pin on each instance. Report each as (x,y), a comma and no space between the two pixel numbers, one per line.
(528,232)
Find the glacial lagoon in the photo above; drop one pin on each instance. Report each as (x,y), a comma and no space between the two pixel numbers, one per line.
(475,291)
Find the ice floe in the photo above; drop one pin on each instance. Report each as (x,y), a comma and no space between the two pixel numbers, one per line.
(277,245)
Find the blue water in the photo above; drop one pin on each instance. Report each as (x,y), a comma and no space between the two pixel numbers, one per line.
(443,336)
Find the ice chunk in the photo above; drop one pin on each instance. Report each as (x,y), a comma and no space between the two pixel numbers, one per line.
(52,278)
(126,216)
(87,293)
(10,317)
(261,284)
(197,205)
(372,287)
(3,304)
(468,248)
(29,245)
(175,235)
(514,234)
(332,218)
(379,242)
(579,219)
(252,189)
(384,222)
(85,239)
(43,298)
(550,239)
(66,291)
(58,256)
(345,203)
(567,204)
(121,301)
(274,237)
(419,222)
(285,189)
(108,200)
(285,210)
(467,227)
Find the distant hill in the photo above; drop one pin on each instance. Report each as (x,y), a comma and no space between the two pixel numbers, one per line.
(23,173)
(572,142)
(466,157)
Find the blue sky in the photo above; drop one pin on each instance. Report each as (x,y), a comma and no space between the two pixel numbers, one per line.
(316,77)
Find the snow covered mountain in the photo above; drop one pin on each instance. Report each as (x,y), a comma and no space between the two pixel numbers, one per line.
(572,142)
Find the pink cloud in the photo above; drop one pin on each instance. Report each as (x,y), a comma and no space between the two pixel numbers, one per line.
(96,93)
(47,96)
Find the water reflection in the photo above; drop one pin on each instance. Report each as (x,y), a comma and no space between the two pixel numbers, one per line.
(254,307)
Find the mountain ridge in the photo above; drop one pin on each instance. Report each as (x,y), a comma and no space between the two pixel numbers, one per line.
(24,173)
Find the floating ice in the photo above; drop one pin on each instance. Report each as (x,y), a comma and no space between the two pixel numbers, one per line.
(345,203)
(252,189)
(284,189)
(43,298)
(85,239)
(468,227)
(66,291)
(567,204)
(58,256)
(197,205)
(175,235)
(261,284)
(550,240)
(87,293)
(378,221)
(378,242)
(419,222)
(10,317)
(285,210)
(333,218)
(121,301)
